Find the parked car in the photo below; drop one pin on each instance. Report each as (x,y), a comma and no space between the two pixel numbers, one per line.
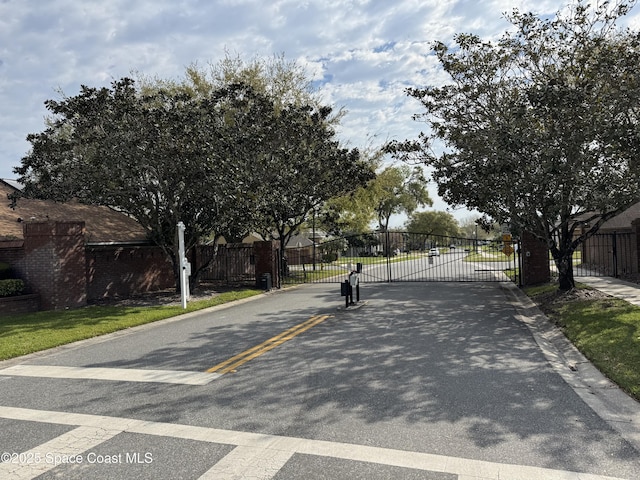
(434,252)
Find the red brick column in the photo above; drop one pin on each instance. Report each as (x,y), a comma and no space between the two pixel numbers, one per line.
(535,260)
(55,263)
(266,260)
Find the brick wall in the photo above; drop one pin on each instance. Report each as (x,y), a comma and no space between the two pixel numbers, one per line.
(122,271)
(54,263)
(19,304)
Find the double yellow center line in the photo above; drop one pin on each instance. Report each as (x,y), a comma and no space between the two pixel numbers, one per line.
(242,358)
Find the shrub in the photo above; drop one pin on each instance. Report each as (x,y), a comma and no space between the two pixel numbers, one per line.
(11,287)
(329,257)
(5,271)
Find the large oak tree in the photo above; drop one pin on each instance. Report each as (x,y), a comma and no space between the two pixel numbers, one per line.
(398,189)
(218,162)
(437,223)
(540,128)
(160,158)
(299,163)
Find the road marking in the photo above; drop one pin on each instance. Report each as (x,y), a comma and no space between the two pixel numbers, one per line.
(242,358)
(44,457)
(115,374)
(162,376)
(275,449)
(248,462)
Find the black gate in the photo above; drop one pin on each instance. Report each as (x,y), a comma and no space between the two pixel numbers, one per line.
(400,257)
(608,254)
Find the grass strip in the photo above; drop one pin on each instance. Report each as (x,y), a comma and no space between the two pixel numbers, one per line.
(605,329)
(33,332)
(493,257)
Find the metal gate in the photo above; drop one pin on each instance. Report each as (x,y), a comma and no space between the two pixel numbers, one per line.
(608,255)
(399,257)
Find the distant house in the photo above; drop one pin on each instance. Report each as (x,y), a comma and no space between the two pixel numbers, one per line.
(251,238)
(301,248)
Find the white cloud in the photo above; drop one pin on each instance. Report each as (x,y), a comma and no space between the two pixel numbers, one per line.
(362,53)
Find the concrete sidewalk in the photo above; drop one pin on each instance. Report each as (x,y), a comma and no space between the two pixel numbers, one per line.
(615,287)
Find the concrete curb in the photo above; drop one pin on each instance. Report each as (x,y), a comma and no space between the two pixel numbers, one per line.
(606,399)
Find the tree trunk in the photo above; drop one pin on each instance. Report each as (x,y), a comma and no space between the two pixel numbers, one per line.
(565,272)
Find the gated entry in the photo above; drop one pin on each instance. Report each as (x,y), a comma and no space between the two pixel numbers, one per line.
(400,257)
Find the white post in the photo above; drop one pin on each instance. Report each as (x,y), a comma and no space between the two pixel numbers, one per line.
(185,267)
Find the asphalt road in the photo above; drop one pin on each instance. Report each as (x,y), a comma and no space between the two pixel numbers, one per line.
(423,380)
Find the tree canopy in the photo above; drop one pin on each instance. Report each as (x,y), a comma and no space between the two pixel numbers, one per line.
(394,189)
(223,160)
(540,128)
(303,167)
(160,158)
(299,164)
(398,189)
(433,223)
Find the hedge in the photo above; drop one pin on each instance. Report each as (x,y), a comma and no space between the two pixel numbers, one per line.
(11,287)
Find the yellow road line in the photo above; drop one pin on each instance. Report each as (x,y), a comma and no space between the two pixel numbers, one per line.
(258,347)
(242,358)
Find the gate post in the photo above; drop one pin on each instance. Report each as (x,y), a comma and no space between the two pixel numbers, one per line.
(388,253)
(614,243)
(635,248)
(264,252)
(535,260)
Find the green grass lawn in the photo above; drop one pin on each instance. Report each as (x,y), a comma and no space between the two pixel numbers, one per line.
(512,274)
(306,273)
(23,334)
(605,330)
(492,257)
(309,275)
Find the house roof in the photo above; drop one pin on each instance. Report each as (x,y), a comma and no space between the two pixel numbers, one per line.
(297,241)
(623,220)
(101,223)
(306,239)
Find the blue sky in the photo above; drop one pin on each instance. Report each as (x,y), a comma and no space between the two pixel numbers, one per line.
(362,53)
